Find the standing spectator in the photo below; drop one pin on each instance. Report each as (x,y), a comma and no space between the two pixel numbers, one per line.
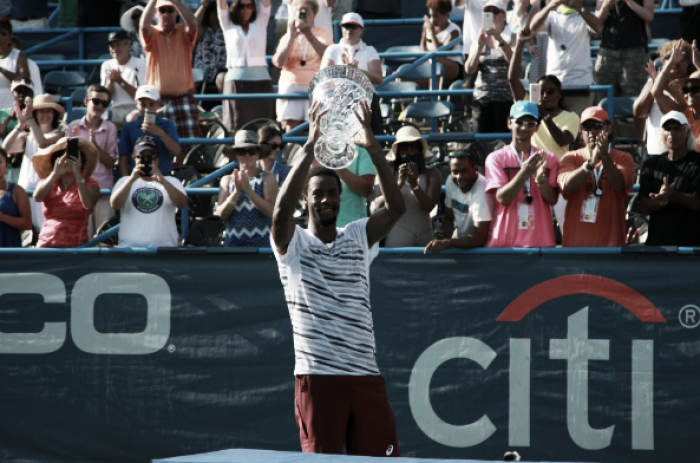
(299,55)
(569,27)
(163,131)
(269,135)
(245,32)
(489,57)
(169,56)
(42,116)
(623,50)
(130,22)
(469,210)
(323,15)
(438,30)
(103,135)
(524,181)
(351,50)
(67,192)
(559,127)
(674,69)
(247,197)
(420,186)
(122,75)
(690,20)
(341,8)
(15,212)
(34,72)
(13,64)
(148,201)
(669,187)
(595,181)
(30,14)
(210,52)
(689,87)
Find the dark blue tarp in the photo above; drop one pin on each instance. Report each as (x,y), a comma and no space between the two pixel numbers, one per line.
(561,357)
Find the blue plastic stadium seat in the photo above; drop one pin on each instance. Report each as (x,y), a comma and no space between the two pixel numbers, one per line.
(63,82)
(429,109)
(422,71)
(398,87)
(78,96)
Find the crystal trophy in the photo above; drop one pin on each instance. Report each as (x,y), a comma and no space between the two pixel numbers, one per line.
(340,89)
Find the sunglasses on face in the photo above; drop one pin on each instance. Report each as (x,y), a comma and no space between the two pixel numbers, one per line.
(351,27)
(244,151)
(589,127)
(693,89)
(276,146)
(98,102)
(166,10)
(526,124)
(247,6)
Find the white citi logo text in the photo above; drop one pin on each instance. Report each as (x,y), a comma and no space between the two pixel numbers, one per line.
(577,350)
(85,291)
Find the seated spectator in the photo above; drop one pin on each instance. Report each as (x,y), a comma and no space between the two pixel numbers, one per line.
(122,75)
(22,89)
(689,87)
(269,135)
(15,212)
(559,127)
(351,50)
(488,58)
(169,48)
(103,135)
(148,200)
(13,64)
(468,209)
(130,23)
(595,182)
(623,48)
(245,32)
(420,186)
(647,106)
(163,131)
(669,187)
(524,180)
(67,193)
(210,52)
(247,196)
(42,117)
(326,9)
(438,30)
(30,14)
(299,55)
(569,27)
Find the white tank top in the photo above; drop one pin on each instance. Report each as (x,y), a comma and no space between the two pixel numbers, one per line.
(9,63)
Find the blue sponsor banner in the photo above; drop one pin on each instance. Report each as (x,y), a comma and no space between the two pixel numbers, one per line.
(561,357)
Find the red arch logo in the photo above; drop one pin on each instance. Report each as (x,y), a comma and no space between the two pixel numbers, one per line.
(594,285)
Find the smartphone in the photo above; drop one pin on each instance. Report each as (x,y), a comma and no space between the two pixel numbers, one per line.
(147,161)
(72,148)
(487,20)
(536,93)
(302,16)
(408,158)
(150,117)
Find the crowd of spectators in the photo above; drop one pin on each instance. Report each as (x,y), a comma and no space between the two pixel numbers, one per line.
(560,167)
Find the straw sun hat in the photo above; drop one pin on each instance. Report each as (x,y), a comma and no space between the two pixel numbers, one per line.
(42,159)
(408,134)
(44,101)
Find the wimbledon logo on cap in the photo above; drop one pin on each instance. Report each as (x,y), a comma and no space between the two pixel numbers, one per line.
(147,200)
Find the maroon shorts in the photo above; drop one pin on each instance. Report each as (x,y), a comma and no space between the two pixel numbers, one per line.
(351,410)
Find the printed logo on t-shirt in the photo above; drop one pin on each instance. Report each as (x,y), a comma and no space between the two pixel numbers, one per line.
(147,200)
(463,208)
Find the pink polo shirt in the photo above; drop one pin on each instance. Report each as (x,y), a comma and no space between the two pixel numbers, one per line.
(106,137)
(509,231)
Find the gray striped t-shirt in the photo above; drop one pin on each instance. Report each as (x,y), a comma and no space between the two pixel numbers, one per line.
(327,292)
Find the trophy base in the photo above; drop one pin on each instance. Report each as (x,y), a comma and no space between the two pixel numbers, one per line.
(327,157)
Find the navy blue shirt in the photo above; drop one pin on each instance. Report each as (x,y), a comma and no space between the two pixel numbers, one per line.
(132,132)
(25,9)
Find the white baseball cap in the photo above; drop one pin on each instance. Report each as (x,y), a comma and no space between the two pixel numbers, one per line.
(497,3)
(352,18)
(22,83)
(674,116)
(147,91)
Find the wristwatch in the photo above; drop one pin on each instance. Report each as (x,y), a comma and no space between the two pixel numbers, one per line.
(547,117)
(82,180)
(588,167)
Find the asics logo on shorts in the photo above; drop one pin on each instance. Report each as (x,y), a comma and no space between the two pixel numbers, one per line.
(389,450)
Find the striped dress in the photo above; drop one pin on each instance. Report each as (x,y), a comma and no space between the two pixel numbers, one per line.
(247,226)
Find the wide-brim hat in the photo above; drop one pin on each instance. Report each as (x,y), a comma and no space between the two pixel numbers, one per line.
(245,139)
(126,23)
(44,101)
(408,134)
(42,159)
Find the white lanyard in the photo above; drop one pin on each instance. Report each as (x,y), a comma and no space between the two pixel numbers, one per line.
(526,186)
(597,173)
(306,49)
